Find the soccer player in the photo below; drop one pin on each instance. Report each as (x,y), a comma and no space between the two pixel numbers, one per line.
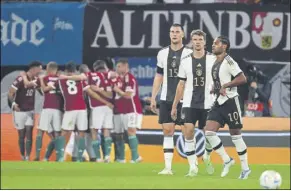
(195,83)
(51,115)
(75,111)
(168,61)
(22,101)
(226,76)
(130,118)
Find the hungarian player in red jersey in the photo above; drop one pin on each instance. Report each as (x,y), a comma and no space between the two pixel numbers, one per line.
(51,115)
(127,100)
(22,101)
(75,110)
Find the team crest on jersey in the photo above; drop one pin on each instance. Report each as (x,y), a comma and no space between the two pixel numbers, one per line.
(199,70)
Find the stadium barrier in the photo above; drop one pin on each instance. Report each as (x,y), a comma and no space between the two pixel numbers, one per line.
(262,150)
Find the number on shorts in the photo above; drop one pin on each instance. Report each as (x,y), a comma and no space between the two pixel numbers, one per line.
(234,116)
(72,88)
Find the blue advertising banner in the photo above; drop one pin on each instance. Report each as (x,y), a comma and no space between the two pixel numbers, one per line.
(41,31)
(144,69)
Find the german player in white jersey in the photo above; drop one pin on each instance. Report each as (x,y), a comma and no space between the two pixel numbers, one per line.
(195,83)
(168,61)
(226,75)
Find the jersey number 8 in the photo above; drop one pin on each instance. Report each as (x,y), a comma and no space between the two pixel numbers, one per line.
(72,88)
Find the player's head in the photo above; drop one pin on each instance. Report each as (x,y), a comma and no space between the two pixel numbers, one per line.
(100,66)
(83,68)
(198,38)
(220,45)
(70,68)
(35,68)
(52,68)
(176,34)
(122,66)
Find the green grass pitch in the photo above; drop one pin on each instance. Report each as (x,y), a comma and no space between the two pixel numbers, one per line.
(68,175)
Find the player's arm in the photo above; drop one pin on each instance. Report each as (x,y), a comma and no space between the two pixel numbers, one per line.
(94,95)
(46,88)
(106,93)
(26,82)
(78,77)
(125,94)
(236,72)
(11,96)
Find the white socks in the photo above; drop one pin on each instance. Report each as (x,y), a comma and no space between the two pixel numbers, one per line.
(217,146)
(168,146)
(190,152)
(241,149)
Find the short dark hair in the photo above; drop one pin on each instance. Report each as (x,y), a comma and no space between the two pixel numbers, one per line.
(225,40)
(34,64)
(199,33)
(99,64)
(177,25)
(52,65)
(71,67)
(83,68)
(122,60)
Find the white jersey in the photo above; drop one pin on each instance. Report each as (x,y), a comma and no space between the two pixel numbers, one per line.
(169,61)
(197,74)
(222,73)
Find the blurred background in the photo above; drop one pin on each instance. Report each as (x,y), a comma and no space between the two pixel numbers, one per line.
(84,31)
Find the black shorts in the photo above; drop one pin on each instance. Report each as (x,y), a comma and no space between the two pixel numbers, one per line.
(228,113)
(192,115)
(165,113)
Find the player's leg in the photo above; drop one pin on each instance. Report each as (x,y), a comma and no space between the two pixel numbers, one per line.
(50,146)
(107,127)
(68,125)
(168,126)
(96,124)
(113,136)
(53,132)
(75,146)
(214,122)
(132,123)
(235,124)
(208,148)
(89,147)
(29,130)
(190,142)
(119,130)
(44,123)
(19,119)
(82,124)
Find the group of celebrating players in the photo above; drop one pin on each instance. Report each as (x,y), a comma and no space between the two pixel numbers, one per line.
(91,101)
(196,86)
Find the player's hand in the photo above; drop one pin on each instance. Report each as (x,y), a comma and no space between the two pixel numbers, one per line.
(32,84)
(110,105)
(212,90)
(95,88)
(112,74)
(116,89)
(16,107)
(174,113)
(51,85)
(254,85)
(222,91)
(153,106)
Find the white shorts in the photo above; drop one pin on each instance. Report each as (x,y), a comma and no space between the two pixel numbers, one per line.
(50,120)
(22,119)
(101,117)
(75,118)
(124,121)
